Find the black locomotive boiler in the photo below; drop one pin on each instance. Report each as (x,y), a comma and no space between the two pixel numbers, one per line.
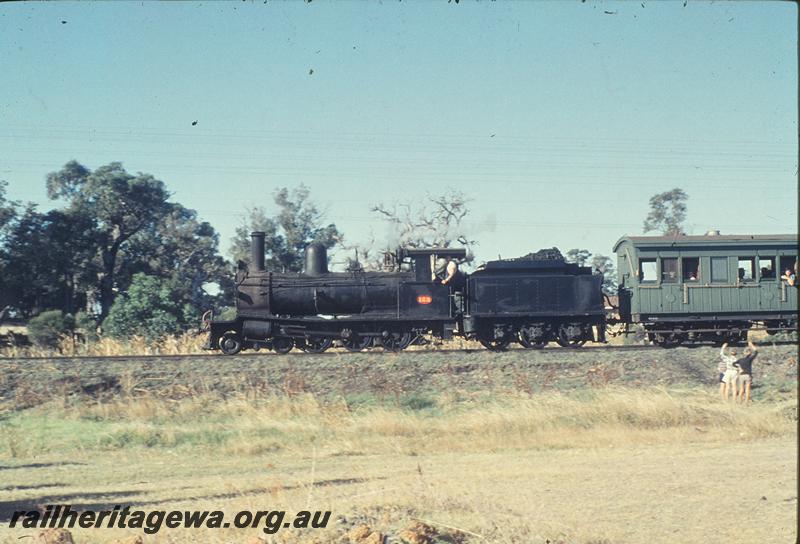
(530,300)
(311,310)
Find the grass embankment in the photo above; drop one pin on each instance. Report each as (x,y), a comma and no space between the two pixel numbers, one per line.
(251,423)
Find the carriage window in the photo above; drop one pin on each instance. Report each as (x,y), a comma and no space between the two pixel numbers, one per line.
(788,262)
(690,267)
(766,266)
(669,270)
(648,271)
(747,268)
(719,269)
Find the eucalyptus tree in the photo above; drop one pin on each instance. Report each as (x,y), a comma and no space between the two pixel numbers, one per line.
(119,206)
(297,222)
(667,213)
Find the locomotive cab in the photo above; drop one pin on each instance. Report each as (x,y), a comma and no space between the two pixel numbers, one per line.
(423,260)
(426,296)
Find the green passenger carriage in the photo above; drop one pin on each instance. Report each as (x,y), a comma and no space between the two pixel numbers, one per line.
(707,288)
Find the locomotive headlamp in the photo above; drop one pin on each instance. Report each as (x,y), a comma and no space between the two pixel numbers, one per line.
(424,299)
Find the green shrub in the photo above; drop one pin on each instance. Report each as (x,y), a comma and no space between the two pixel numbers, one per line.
(86,326)
(48,328)
(147,310)
(227,314)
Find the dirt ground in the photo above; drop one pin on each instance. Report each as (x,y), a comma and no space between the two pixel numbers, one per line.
(654,494)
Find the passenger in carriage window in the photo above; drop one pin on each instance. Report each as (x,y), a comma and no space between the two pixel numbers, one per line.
(691,269)
(789,277)
(767,267)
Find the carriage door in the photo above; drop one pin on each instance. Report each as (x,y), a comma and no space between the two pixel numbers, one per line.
(671,298)
(770,287)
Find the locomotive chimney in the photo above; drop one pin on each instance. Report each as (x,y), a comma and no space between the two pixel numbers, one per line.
(316,260)
(257,251)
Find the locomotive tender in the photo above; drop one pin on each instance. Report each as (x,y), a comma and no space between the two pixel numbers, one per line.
(528,300)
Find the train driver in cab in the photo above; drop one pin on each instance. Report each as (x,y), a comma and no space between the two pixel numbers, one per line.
(449,274)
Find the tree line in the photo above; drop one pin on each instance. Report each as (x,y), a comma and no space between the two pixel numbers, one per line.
(118,255)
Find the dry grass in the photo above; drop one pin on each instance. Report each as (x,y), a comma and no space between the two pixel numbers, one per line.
(594,466)
(186,344)
(253,422)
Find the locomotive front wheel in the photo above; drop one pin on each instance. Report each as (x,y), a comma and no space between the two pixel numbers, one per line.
(396,341)
(282,344)
(356,342)
(314,344)
(230,343)
(495,344)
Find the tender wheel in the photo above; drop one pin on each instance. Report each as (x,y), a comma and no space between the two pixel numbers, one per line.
(495,344)
(396,341)
(532,338)
(570,343)
(314,344)
(567,337)
(356,342)
(282,344)
(230,343)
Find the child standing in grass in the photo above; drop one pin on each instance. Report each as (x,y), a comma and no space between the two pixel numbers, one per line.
(728,373)
(721,368)
(745,369)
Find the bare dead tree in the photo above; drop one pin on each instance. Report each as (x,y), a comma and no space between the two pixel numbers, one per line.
(435,221)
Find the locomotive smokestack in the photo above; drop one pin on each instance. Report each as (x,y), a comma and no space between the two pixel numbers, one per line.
(257,251)
(316,260)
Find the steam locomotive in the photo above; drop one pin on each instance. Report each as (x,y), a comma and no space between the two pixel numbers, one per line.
(677,289)
(532,300)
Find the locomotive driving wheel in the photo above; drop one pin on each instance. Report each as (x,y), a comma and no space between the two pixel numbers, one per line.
(282,344)
(396,341)
(314,344)
(356,342)
(495,344)
(230,343)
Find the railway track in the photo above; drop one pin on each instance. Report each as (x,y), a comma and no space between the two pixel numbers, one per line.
(340,351)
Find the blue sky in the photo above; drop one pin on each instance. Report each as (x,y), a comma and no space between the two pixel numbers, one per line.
(558,119)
